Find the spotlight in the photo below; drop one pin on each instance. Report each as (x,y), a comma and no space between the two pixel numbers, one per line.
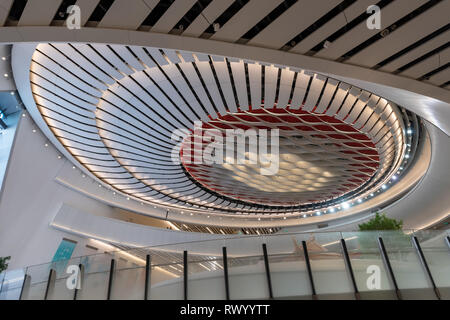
(345,205)
(332,210)
(384,187)
(409,131)
(371,194)
(318,213)
(394,178)
(359,200)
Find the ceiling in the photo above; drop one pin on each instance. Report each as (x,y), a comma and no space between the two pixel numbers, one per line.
(114,107)
(116,110)
(413,40)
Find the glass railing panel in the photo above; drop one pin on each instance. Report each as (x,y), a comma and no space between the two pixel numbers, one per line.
(129,276)
(11,284)
(59,290)
(328,267)
(408,270)
(437,255)
(37,283)
(166,274)
(95,280)
(167,282)
(288,271)
(206,279)
(246,269)
(247,278)
(371,276)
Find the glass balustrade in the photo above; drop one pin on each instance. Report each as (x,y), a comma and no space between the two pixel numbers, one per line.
(358,267)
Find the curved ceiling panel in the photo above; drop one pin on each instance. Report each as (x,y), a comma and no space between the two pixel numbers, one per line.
(115,108)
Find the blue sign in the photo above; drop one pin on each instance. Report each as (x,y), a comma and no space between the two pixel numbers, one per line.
(63,254)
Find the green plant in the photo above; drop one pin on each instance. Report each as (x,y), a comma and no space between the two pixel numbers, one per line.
(3,264)
(381,222)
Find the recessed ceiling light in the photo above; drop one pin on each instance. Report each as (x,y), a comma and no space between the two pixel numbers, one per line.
(332,209)
(3,58)
(359,200)
(345,205)
(383,186)
(6,75)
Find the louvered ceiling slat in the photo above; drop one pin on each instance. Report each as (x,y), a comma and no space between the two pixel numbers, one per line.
(225,84)
(210,83)
(418,52)
(175,12)
(300,90)
(125,14)
(292,22)
(270,86)
(331,26)
(417,28)
(39,12)
(438,60)
(357,35)
(254,71)
(208,15)
(440,78)
(314,92)
(328,93)
(245,19)
(5,6)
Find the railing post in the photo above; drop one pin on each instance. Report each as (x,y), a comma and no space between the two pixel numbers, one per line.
(266,263)
(350,269)
(185,271)
(111,276)
(25,280)
(425,265)
(80,276)
(147,275)
(308,267)
(225,272)
(51,275)
(389,267)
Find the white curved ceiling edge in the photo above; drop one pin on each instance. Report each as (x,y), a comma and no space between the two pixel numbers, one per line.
(430,102)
